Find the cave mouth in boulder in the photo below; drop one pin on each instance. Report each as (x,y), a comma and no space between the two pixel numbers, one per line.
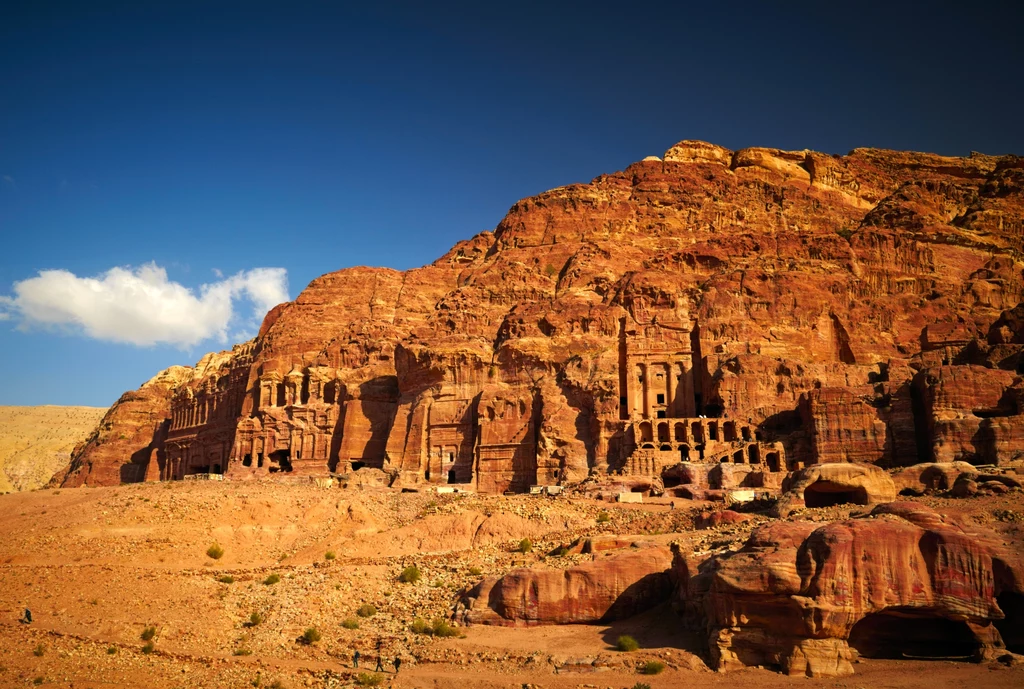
(828,494)
(898,633)
(1011,628)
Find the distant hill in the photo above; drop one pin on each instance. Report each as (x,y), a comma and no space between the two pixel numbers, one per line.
(37,441)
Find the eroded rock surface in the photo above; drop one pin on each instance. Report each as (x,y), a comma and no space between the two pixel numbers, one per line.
(615,585)
(807,598)
(762,308)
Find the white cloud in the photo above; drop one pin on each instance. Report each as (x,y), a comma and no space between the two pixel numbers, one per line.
(142,307)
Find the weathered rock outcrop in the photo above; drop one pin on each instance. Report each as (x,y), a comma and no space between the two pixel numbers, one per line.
(905,582)
(795,292)
(824,485)
(615,585)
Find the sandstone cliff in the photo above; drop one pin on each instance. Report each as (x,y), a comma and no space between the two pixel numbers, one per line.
(838,308)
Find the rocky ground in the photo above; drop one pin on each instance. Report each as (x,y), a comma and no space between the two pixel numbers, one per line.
(37,441)
(98,566)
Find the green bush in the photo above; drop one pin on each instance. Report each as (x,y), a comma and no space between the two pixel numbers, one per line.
(111,650)
(272,579)
(442,629)
(329,555)
(311,635)
(369,679)
(603,517)
(350,623)
(410,575)
(148,633)
(226,579)
(39,650)
(525,546)
(475,571)
(641,685)
(148,648)
(255,619)
(242,652)
(562,552)
(653,667)
(366,610)
(420,626)
(626,644)
(38,681)
(215,551)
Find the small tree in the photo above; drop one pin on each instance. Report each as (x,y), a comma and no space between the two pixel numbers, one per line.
(366,610)
(525,546)
(475,571)
(148,633)
(410,575)
(311,635)
(272,579)
(226,579)
(369,679)
(39,650)
(255,619)
(441,628)
(329,555)
(350,623)
(148,648)
(215,551)
(420,626)
(603,517)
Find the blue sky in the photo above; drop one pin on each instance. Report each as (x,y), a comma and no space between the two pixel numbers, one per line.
(201,141)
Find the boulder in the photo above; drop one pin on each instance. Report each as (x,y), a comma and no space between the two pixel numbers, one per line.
(931,476)
(711,520)
(824,485)
(611,587)
(807,599)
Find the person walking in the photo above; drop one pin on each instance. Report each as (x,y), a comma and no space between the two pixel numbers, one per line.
(380,655)
(355,660)
(398,664)
(27,619)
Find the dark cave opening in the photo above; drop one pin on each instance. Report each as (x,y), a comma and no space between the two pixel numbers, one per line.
(907,633)
(829,494)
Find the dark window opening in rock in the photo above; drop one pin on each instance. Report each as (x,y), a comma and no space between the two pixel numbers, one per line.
(697,431)
(216,469)
(451,476)
(670,481)
(645,432)
(907,633)
(680,431)
(829,494)
(737,457)
(1011,628)
(713,410)
(304,391)
(661,413)
(259,459)
(298,455)
(684,454)
(639,489)
(662,432)
(648,446)
(745,432)
(712,431)
(729,431)
(773,461)
(622,401)
(356,466)
(247,461)
(282,461)
(426,475)
(665,448)
(661,398)
(754,454)
(279,395)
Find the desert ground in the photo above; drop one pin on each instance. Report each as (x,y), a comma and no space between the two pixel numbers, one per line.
(97,567)
(37,441)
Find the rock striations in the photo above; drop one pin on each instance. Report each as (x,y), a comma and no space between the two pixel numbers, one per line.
(759,308)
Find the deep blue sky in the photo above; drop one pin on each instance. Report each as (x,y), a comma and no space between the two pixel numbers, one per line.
(312,136)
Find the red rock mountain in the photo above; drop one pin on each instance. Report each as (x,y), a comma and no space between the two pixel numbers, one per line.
(767,308)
